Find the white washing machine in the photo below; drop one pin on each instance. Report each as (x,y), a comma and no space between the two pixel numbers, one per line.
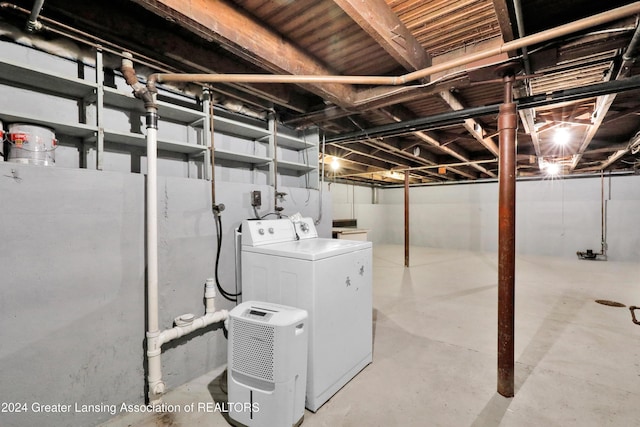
(287,263)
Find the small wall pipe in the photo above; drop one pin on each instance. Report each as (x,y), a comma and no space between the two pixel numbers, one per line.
(198,323)
(603,216)
(210,296)
(156,339)
(33,24)
(406,218)
(140,91)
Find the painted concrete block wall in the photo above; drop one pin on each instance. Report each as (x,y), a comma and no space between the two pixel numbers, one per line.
(72,291)
(622,211)
(186,241)
(357,202)
(455,217)
(553,217)
(236,196)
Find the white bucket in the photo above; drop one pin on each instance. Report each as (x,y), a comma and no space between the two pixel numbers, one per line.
(30,144)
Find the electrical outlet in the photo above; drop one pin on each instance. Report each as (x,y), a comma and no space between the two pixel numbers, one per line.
(256,198)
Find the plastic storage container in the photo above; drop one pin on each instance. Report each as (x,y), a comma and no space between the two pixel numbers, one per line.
(31,144)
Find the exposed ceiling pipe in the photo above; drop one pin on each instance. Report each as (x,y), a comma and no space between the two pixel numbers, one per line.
(604,103)
(631,53)
(418,168)
(456,117)
(526,116)
(33,24)
(87,39)
(543,36)
(115,49)
(633,146)
(525,52)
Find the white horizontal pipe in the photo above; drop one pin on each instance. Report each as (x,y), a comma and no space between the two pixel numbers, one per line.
(156,339)
(199,323)
(523,42)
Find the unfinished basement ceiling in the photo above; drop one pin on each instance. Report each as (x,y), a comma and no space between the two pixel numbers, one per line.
(392,38)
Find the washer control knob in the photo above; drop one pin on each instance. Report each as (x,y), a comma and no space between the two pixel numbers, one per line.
(270,230)
(261,231)
(304,227)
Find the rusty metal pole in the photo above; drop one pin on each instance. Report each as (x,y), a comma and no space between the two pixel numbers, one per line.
(406,218)
(507,125)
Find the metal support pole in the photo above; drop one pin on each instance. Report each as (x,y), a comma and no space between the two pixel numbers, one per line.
(507,125)
(406,218)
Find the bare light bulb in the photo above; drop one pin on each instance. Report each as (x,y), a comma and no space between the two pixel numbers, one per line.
(561,136)
(335,165)
(553,169)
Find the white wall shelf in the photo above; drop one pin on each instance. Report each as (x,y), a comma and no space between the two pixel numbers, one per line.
(139,140)
(111,114)
(45,80)
(177,113)
(272,137)
(99,109)
(232,127)
(293,142)
(78,130)
(293,166)
(241,157)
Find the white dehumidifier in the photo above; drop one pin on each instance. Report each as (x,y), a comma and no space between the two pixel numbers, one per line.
(267,364)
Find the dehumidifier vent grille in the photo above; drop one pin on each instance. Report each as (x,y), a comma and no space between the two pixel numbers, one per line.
(253,349)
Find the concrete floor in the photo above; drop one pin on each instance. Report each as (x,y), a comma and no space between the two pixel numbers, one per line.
(434,361)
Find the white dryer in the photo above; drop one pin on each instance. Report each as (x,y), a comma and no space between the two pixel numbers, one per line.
(287,263)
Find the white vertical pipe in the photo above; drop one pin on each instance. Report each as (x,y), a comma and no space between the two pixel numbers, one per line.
(152,219)
(210,296)
(154,350)
(32,23)
(99,109)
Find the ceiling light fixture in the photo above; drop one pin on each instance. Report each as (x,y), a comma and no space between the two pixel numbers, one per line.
(335,164)
(553,169)
(562,136)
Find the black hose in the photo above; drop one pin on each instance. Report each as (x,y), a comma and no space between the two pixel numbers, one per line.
(228,295)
